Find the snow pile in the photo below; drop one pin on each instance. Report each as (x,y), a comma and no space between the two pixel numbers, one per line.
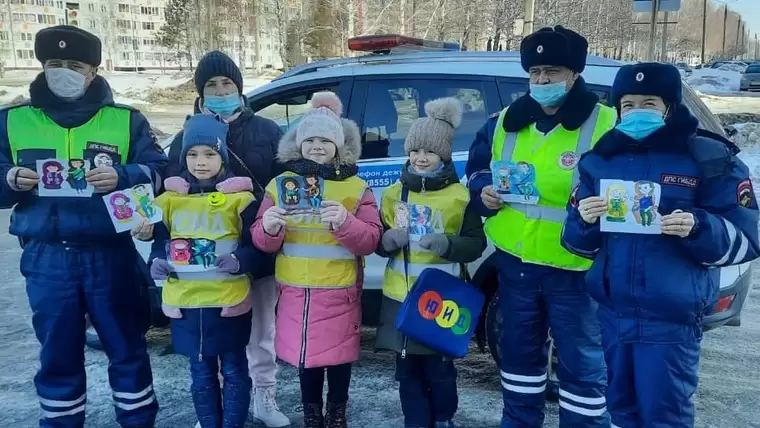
(716,80)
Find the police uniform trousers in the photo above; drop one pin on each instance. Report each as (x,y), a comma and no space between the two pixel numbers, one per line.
(65,281)
(534,299)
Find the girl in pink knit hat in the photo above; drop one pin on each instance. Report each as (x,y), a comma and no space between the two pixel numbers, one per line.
(319,255)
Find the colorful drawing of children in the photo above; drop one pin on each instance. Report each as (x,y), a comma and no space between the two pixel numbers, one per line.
(504,175)
(120,205)
(102,160)
(616,205)
(52,175)
(401,215)
(203,252)
(290,194)
(420,220)
(144,203)
(76,177)
(313,193)
(644,204)
(179,251)
(526,180)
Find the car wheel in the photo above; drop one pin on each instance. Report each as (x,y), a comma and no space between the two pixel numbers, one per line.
(92,339)
(494,323)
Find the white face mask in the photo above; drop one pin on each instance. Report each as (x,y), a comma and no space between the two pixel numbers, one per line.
(65,83)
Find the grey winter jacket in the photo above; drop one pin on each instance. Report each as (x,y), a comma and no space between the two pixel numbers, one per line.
(467,247)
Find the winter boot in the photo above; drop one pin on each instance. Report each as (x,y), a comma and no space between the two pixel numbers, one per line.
(335,417)
(265,408)
(312,416)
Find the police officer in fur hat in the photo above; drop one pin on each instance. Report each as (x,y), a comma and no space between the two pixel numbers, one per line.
(536,144)
(654,290)
(73,260)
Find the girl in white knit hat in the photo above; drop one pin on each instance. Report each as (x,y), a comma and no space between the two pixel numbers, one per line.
(319,255)
(454,236)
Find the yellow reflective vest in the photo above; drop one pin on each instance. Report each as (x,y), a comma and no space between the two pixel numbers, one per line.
(190,217)
(310,255)
(30,130)
(447,208)
(533,232)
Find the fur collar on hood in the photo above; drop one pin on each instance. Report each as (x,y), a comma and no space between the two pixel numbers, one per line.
(290,150)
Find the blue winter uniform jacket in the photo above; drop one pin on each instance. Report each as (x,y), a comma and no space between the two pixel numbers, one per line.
(658,286)
(77,219)
(204,331)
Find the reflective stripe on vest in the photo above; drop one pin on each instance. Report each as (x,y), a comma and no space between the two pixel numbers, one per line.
(192,217)
(447,206)
(533,232)
(310,255)
(33,136)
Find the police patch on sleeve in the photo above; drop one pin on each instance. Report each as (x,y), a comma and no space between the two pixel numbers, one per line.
(744,193)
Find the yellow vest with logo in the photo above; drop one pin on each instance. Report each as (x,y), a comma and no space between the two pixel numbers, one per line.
(193,217)
(533,232)
(447,215)
(310,255)
(30,129)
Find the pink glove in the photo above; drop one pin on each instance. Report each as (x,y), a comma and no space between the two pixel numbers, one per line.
(235,184)
(177,184)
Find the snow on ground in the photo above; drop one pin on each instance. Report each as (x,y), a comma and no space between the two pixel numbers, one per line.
(715,81)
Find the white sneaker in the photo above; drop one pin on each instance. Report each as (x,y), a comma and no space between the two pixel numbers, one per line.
(265,408)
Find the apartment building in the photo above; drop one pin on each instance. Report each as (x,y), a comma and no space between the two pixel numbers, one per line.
(127,29)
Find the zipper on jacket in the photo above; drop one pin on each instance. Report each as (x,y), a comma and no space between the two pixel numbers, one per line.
(403,347)
(68,146)
(305,321)
(200,345)
(423,185)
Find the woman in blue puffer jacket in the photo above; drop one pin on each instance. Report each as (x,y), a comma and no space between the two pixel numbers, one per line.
(694,196)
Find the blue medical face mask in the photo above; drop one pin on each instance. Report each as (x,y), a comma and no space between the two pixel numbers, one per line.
(549,94)
(641,122)
(224,105)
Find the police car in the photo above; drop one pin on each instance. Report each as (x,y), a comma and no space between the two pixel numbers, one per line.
(386,90)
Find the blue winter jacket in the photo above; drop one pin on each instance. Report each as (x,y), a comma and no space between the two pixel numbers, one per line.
(659,286)
(77,219)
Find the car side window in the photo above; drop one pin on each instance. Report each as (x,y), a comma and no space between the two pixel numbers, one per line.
(286,109)
(393,105)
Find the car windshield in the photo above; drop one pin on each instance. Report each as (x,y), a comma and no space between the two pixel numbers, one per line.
(755,68)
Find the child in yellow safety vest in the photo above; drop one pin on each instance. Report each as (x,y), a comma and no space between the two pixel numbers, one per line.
(446,234)
(319,254)
(203,252)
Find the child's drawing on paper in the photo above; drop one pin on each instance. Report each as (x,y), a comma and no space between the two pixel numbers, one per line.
(420,220)
(120,209)
(52,174)
(129,207)
(644,203)
(312,191)
(515,182)
(401,215)
(75,175)
(631,206)
(63,178)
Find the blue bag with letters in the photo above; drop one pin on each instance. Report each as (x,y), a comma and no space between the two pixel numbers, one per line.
(441,311)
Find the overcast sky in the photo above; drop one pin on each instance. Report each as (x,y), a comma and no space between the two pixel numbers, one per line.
(750,10)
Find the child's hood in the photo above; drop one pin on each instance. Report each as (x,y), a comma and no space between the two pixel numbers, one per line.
(289,149)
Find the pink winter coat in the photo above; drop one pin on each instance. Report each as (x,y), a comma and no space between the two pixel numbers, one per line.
(334,315)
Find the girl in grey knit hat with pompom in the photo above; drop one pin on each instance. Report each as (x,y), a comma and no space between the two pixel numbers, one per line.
(443,233)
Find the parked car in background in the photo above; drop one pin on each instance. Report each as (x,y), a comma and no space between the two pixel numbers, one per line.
(684,68)
(750,78)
